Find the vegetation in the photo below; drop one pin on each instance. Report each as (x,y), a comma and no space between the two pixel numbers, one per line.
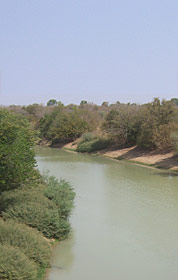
(174,101)
(61,193)
(15,265)
(28,240)
(51,102)
(122,124)
(31,206)
(158,124)
(16,153)
(62,126)
(153,125)
(90,143)
(36,210)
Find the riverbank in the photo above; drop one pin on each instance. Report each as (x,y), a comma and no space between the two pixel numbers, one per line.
(34,208)
(164,160)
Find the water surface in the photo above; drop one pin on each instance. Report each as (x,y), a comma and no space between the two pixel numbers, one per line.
(125,221)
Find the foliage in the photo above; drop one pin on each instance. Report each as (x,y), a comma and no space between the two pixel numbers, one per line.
(105,103)
(122,125)
(86,137)
(91,116)
(52,102)
(41,273)
(34,210)
(60,104)
(28,205)
(158,123)
(45,220)
(83,102)
(174,101)
(151,125)
(14,265)
(46,124)
(30,241)
(174,138)
(16,150)
(61,193)
(93,145)
(10,198)
(62,126)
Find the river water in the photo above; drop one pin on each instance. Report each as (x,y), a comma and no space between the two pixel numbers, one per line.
(125,221)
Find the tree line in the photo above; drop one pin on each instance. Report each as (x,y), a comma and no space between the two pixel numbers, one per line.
(153,125)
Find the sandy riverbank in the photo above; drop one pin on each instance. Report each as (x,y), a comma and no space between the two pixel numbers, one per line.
(165,160)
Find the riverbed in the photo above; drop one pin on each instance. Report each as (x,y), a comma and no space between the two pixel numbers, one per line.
(125,220)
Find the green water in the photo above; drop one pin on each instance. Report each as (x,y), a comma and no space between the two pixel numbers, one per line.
(125,221)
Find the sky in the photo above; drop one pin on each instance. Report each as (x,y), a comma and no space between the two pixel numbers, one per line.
(94,50)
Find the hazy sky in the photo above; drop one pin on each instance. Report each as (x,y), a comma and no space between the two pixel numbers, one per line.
(95,50)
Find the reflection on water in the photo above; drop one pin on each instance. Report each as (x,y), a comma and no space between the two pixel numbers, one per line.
(125,223)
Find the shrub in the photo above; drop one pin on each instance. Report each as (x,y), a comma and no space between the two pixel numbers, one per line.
(122,124)
(35,210)
(86,147)
(92,146)
(174,138)
(61,193)
(61,126)
(159,123)
(28,240)
(33,214)
(14,265)
(87,137)
(16,150)
(9,198)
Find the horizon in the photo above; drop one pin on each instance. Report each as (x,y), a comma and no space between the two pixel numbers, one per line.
(88,102)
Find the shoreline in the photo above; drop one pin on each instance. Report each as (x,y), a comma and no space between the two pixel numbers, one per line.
(167,160)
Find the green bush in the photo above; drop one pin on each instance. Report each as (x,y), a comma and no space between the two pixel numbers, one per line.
(45,220)
(27,239)
(61,193)
(9,198)
(35,210)
(159,122)
(87,137)
(122,124)
(16,150)
(61,126)
(14,265)
(92,146)
(86,147)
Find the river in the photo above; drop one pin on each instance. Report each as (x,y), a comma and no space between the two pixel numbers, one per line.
(125,221)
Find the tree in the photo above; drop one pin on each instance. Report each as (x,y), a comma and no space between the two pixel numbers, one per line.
(174,101)
(59,103)
(158,124)
(105,104)
(61,126)
(122,125)
(52,102)
(16,150)
(83,102)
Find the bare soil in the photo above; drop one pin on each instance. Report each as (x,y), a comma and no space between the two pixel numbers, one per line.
(165,160)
